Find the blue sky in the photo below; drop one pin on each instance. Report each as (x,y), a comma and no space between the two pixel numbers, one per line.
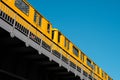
(92,25)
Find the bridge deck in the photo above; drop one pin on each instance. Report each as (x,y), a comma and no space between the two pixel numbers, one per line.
(24,59)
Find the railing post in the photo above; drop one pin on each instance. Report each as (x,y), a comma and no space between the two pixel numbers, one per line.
(28,36)
(60,63)
(40,47)
(82,68)
(12,31)
(68,63)
(92,75)
(76,69)
(40,51)
(50,58)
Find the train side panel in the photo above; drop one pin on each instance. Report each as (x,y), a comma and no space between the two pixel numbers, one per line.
(29,17)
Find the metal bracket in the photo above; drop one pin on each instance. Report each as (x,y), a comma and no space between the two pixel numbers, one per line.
(40,47)
(27,41)
(50,58)
(60,63)
(12,31)
(68,68)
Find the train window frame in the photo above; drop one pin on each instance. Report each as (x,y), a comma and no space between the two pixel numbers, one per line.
(82,56)
(65,43)
(48,28)
(98,70)
(22,6)
(103,74)
(68,45)
(53,35)
(40,20)
(89,63)
(109,78)
(35,16)
(94,66)
(59,35)
(75,51)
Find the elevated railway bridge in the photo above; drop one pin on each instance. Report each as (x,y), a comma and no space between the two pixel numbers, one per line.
(20,59)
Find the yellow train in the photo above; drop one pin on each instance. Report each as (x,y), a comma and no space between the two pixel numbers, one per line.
(24,18)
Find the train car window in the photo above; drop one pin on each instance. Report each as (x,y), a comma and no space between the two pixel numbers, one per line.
(22,6)
(109,78)
(89,63)
(48,28)
(82,56)
(98,71)
(65,43)
(103,74)
(94,66)
(68,45)
(52,34)
(35,16)
(59,35)
(40,20)
(75,51)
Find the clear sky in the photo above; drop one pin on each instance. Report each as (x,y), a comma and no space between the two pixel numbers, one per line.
(92,25)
